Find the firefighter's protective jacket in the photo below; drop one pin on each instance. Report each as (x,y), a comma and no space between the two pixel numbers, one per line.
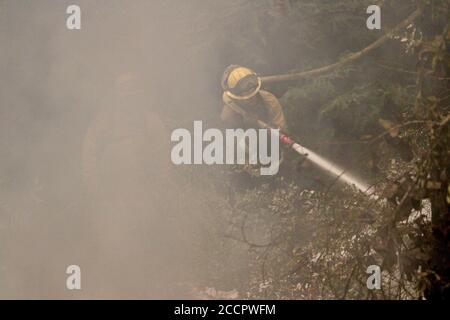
(268,109)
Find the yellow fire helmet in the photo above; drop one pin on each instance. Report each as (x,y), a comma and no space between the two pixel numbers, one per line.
(240,83)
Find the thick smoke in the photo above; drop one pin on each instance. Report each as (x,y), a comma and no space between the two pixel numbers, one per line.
(86,176)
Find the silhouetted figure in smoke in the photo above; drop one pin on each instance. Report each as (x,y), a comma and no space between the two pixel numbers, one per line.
(126,168)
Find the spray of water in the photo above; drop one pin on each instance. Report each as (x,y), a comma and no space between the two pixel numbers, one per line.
(332,169)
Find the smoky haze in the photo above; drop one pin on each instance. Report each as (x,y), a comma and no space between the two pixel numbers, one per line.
(85,120)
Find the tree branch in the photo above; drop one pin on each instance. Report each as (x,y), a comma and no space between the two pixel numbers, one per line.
(353,57)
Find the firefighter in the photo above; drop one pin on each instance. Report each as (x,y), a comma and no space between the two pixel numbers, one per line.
(242,86)
(128,179)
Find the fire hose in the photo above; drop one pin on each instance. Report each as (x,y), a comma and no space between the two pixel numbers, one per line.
(325,165)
